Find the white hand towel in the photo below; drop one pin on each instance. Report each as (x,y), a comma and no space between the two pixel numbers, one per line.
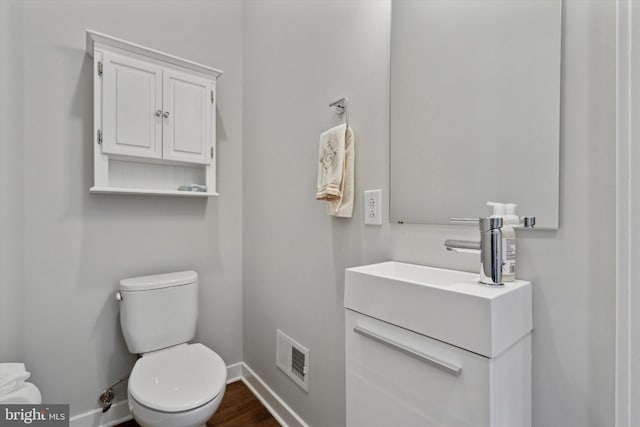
(335,170)
(12,376)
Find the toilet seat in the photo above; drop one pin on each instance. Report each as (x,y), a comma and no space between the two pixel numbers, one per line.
(178,379)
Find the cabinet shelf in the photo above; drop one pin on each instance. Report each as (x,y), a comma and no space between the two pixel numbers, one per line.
(150,192)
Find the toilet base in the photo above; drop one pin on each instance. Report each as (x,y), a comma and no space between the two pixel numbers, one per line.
(196,417)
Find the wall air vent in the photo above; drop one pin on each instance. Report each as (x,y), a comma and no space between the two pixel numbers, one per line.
(292,359)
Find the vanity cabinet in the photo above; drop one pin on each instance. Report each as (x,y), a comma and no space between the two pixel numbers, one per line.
(398,377)
(431,347)
(154,119)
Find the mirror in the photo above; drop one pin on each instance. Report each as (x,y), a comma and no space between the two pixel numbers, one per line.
(475,108)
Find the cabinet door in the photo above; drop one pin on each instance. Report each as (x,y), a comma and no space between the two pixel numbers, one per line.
(132,120)
(395,377)
(188,115)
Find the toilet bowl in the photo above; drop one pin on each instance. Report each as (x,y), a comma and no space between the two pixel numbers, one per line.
(179,386)
(173,384)
(27,393)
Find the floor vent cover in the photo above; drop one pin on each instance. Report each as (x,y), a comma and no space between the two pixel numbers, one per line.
(293,359)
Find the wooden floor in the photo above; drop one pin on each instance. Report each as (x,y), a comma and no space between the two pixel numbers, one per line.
(239,408)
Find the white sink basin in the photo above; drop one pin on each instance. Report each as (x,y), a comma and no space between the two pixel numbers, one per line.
(447,305)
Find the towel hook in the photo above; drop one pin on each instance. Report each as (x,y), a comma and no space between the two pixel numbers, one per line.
(342,106)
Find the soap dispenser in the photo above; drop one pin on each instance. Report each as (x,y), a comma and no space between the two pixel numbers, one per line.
(507,213)
(511,216)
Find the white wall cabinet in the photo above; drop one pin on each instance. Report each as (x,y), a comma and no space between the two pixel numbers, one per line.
(131,94)
(188,125)
(154,119)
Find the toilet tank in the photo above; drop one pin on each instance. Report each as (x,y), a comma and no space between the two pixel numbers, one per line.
(158,311)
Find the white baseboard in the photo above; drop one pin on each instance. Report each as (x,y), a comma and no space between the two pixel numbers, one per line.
(235,372)
(118,414)
(119,411)
(274,404)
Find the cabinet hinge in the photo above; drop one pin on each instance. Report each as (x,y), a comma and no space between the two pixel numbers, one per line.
(212,152)
(99,68)
(99,136)
(212,97)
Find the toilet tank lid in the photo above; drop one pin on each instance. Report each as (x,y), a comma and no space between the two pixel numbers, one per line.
(158,281)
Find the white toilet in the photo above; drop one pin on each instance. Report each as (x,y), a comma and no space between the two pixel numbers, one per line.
(173,384)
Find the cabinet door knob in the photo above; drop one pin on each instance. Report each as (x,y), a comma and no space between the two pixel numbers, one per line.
(158,113)
(166,114)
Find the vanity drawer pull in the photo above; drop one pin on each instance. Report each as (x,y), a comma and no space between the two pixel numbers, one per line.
(447,367)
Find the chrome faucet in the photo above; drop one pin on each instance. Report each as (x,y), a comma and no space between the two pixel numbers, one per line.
(489,247)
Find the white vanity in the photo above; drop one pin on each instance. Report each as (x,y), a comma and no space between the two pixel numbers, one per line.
(432,347)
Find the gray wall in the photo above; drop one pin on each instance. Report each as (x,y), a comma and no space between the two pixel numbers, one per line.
(299,56)
(11,184)
(78,245)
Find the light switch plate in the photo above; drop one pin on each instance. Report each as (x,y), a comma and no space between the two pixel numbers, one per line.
(372,207)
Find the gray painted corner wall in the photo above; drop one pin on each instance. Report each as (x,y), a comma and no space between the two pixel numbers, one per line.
(76,245)
(298,57)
